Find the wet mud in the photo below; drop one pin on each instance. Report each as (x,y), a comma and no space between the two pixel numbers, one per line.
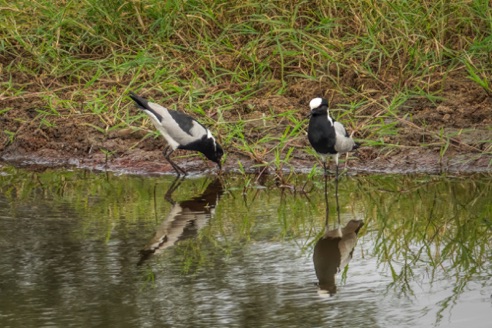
(463,118)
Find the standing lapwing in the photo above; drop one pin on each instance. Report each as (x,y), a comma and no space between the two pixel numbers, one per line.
(327,136)
(181,131)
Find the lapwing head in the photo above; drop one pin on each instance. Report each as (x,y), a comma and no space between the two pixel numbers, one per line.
(354,226)
(318,106)
(212,150)
(218,155)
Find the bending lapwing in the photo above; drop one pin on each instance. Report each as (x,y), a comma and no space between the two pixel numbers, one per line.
(181,131)
(327,136)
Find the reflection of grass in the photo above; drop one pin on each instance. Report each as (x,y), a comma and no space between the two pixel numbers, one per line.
(107,199)
(440,224)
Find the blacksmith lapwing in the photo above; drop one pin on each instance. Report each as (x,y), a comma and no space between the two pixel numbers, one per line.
(327,136)
(181,131)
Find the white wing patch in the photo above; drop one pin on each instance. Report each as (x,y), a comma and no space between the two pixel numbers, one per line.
(210,136)
(158,109)
(329,118)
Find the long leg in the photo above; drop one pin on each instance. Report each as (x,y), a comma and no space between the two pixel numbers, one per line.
(325,168)
(167,155)
(327,208)
(336,188)
(336,170)
(176,183)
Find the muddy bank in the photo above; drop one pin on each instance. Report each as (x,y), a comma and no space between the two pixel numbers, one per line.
(134,155)
(452,135)
(152,162)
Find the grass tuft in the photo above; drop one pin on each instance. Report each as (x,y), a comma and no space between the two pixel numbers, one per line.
(214,58)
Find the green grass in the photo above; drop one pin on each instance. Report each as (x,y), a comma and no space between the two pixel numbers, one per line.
(215,58)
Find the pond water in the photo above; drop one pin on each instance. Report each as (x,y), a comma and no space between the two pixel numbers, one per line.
(105,250)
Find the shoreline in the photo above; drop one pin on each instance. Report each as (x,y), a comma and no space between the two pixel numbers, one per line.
(139,164)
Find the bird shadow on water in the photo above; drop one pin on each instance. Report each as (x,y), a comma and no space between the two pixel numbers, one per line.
(334,250)
(185,218)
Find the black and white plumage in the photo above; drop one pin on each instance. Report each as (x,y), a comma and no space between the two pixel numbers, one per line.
(181,131)
(327,136)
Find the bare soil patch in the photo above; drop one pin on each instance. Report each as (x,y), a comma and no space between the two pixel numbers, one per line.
(465,114)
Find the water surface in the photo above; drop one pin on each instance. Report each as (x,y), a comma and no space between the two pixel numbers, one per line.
(86,249)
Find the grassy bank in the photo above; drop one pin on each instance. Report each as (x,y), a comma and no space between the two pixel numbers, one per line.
(249,68)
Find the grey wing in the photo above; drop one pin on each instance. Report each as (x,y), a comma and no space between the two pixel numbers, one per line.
(340,129)
(343,142)
(195,132)
(186,132)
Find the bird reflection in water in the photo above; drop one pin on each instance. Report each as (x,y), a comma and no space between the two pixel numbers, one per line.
(333,252)
(185,219)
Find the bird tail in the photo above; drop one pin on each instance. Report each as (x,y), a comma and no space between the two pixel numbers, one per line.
(356,145)
(141,102)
